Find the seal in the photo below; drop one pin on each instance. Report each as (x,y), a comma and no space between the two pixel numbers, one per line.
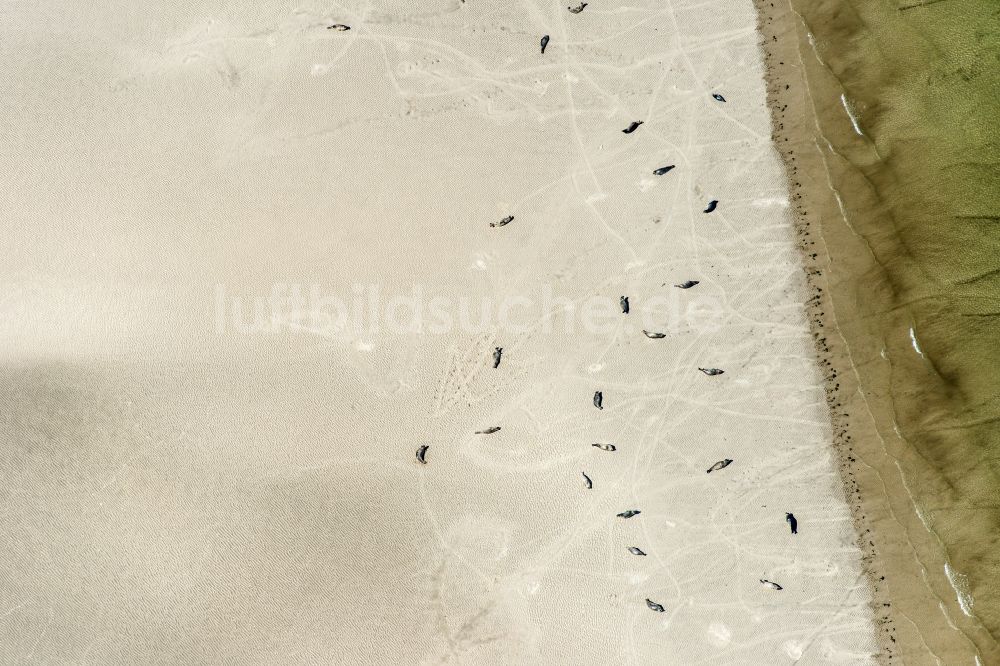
(488,431)
(719,465)
(577,9)
(633,127)
(653,336)
(587,481)
(629,513)
(773,586)
(711,206)
(718,97)
(504,222)
(687,285)
(606,447)
(790,519)
(497,353)
(545,42)
(339,27)
(653,606)
(421,452)
(623,301)
(662,170)
(712,372)
(636,551)
(598,399)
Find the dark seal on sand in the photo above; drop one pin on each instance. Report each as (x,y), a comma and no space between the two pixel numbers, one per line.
(598,399)
(488,431)
(663,170)
(653,606)
(623,301)
(711,206)
(629,513)
(773,586)
(497,353)
(687,285)
(545,42)
(577,9)
(719,465)
(635,551)
(790,519)
(605,447)
(421,452)
(712,372)
(718,97)
(587,481)
(504,222)
(339,27)
(633,127)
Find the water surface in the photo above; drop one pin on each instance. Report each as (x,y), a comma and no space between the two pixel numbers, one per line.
(917,119)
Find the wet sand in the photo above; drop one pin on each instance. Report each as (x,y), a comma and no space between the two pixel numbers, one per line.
(185,485)
(919,487)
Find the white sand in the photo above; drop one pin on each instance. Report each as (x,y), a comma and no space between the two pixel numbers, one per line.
(175,491)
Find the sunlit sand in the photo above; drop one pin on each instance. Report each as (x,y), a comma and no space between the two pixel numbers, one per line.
(205,465)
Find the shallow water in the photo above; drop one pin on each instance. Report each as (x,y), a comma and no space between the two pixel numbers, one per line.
(916,118)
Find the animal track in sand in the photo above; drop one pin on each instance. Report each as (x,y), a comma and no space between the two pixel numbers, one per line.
(461,373)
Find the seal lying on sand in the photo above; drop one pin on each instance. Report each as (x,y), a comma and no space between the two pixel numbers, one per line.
(497,353)
(598,399)
(773,586)
(504,222)
(586,480)
(790,518)
(662,170)
(653,336)
(719,465)
(655,606)
(577,9)
(488,431)
(635,551)
(687,285)
(605,447)
(718,97)
(712,372)
(339,27)
(545,42)
(633,127)
(629,513)
(623,301)
(421,452)
(711,206)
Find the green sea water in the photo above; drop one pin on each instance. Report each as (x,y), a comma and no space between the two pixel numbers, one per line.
(919,121)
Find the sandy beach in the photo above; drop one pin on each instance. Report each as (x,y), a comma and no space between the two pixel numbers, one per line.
(250,269)
(893,314)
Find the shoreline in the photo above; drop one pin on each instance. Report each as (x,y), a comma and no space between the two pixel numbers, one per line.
(922,615)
